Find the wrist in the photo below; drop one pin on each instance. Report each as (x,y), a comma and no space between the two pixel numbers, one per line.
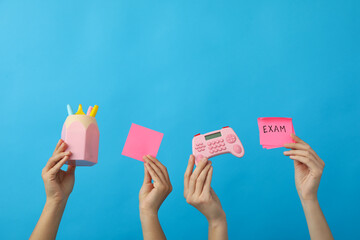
(310,205)
(148,213)
(309,202)
(217,221)
(54,202)
(55,207)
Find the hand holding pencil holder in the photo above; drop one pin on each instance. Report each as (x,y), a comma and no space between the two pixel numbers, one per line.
(81,133)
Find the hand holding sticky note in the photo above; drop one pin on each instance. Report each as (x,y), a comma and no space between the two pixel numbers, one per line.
(275,132)
(142,141)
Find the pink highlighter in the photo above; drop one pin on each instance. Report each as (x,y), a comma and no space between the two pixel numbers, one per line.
(81,133)
(215,143)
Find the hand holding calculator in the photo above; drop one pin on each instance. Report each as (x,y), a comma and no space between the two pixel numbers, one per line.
(215,143)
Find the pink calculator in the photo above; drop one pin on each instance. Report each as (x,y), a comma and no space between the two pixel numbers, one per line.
(215,143)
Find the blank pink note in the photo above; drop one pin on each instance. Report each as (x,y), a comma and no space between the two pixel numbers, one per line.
(142,141)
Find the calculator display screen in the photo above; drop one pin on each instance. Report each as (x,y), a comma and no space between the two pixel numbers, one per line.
(214,135)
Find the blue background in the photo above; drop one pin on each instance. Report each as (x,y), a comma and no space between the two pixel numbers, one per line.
(180,68)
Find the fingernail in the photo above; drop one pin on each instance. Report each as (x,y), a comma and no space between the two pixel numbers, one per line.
(204,160)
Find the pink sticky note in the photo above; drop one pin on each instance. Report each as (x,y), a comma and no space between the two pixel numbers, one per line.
(142,141)
(275,132)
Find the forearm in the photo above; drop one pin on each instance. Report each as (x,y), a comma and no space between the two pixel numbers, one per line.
(49,221)
(318,227)
(218,229)
(151,226)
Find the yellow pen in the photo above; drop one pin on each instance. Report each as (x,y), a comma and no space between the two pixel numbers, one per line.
(94,111)
(80,110)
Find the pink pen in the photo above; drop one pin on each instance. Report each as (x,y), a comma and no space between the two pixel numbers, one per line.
(89,110)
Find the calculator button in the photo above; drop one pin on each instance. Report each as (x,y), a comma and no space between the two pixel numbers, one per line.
(230,138)
(237,148)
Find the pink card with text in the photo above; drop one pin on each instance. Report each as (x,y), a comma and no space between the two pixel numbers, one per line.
(275,131)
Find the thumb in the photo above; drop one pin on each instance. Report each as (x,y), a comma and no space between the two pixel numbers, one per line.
(147,177)
(70,169)
(296,138)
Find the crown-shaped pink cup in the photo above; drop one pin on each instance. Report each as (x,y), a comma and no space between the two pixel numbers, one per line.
(81,134)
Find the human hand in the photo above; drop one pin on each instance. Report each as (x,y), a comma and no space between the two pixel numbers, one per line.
(308,168)
(199,193)
(58,183)
(152,195)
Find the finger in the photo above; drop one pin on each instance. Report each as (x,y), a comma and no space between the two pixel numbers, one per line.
(58,165)
(57,149)
(200,181)
(71,169)
(152,173)
(54,159)
(159,165)
(147,177)
(207,185)
(297,152)
(192,183)
(298,146)
(63,146)
(308,162)
(303,153)
(58,145)
(188,172)
(297,139)
(307,146)
(304,146)
(156,169)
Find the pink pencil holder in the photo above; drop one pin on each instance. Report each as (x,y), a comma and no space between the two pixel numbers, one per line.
(81,134)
